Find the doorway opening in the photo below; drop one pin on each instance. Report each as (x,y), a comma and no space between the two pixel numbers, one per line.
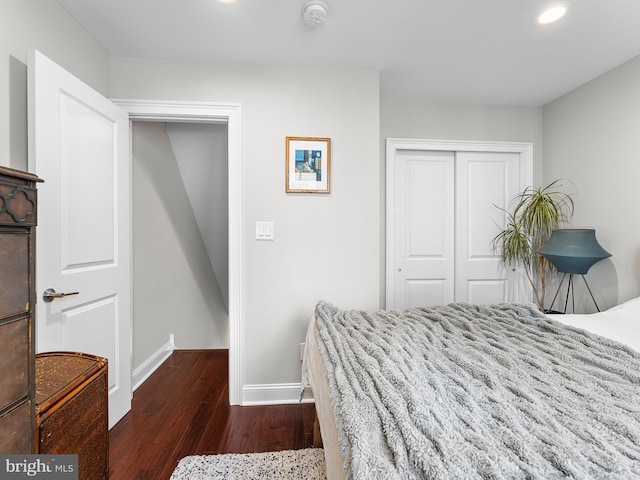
(229,116)
(179,214)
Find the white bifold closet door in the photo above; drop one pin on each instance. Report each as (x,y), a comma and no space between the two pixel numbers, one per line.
(443,210)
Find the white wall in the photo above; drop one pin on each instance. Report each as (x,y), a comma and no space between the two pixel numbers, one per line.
(464,122)
(326,247)
(592,137)
(45,26)
(201,153)
(175,291)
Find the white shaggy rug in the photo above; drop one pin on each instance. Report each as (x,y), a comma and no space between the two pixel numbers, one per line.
(305,464)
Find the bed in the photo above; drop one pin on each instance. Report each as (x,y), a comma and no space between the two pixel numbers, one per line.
(463,392)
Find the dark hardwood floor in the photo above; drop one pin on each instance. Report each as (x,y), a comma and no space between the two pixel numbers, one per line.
(183,409)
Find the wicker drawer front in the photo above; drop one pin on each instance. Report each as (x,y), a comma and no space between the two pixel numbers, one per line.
(14,273)
(14,361)
(78,427)
(71,410)
(15,430)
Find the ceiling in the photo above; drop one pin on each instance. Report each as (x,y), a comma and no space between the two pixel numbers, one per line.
(449,51)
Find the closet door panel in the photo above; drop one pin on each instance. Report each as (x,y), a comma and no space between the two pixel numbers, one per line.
(424,228)
(446,202)
(485,183)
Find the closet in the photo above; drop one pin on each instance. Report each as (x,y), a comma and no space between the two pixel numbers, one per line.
(445,202)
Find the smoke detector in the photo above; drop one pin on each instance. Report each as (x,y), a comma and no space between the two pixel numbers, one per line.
(315,12)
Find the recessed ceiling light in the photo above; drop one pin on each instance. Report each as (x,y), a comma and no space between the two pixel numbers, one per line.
(552,14)
(227,2)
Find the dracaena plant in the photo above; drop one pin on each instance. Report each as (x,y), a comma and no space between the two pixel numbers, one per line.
(536,213)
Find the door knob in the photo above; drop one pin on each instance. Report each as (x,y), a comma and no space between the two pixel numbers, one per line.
(50,295)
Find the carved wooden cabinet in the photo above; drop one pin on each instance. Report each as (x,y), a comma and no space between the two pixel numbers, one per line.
(18,212)
(71,410)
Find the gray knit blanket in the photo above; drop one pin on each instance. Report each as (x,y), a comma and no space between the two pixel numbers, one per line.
(472,392)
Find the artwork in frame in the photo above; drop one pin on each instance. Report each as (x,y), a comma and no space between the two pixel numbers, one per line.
(308,165)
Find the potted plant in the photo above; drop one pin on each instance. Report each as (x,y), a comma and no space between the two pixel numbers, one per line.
(536,212)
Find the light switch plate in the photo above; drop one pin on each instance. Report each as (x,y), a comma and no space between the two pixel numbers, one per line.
(264,230)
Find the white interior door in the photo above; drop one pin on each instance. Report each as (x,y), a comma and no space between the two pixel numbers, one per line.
(424,228)
(79,145)
(484,182)
(442,214)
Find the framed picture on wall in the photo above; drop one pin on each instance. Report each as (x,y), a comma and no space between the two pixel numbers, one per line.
(308,165)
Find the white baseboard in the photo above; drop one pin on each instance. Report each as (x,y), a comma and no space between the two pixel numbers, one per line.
(150,365)
(274,394)
(259,394)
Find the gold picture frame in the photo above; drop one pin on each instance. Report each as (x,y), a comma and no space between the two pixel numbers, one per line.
(308,165)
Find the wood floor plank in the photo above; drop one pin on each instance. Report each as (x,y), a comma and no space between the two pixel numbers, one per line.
(183,409)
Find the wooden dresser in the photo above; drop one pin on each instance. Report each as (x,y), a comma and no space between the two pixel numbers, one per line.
(18,212)
(71,410)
